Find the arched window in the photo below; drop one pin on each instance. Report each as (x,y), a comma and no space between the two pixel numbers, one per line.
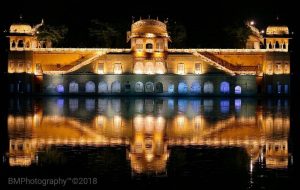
(20,43)
(238,90)
(73,87)
(149,87)
(149,68)
(149,46)
(116,87)
(90,87)
(139,87)
(270,45)
(60,88)
(13,45)
(159,87)
(196,87)
(138,68)
(182,88)
(160,68)
(277,44)
(208,88)
(171,88)
(284,46)
(224,87)
(102,87)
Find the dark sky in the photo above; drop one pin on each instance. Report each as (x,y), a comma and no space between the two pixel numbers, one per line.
(203,19)
(200,14)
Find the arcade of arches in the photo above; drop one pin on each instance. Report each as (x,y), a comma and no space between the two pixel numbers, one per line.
(182,87)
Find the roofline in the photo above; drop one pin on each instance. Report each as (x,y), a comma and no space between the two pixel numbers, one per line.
(126,50)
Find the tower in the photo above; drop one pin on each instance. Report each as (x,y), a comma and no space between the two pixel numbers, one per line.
(149,44)
(22,39)
(277,37)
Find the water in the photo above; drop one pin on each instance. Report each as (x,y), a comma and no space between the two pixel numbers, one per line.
(148,142)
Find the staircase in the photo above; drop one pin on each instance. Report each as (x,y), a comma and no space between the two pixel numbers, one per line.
(68,67)
(225,65)
(78,64)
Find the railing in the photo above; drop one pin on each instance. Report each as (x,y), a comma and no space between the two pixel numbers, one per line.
(85,61)
(111,50)
(226,50)
(67,67)
(124,50)
(226,66)
(219,64)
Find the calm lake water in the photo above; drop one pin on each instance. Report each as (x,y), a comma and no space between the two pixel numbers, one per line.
(173,143)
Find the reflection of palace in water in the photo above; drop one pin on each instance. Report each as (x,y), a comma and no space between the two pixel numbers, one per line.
(149,128)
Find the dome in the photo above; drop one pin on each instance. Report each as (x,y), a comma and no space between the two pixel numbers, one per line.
(20,28)
(149,27)
(277,30)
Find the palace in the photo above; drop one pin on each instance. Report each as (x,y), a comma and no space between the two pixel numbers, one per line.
(149,67)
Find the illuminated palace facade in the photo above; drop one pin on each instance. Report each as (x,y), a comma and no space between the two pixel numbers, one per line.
(149,67)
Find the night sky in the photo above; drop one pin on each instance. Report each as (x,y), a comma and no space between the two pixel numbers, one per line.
(203,20)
